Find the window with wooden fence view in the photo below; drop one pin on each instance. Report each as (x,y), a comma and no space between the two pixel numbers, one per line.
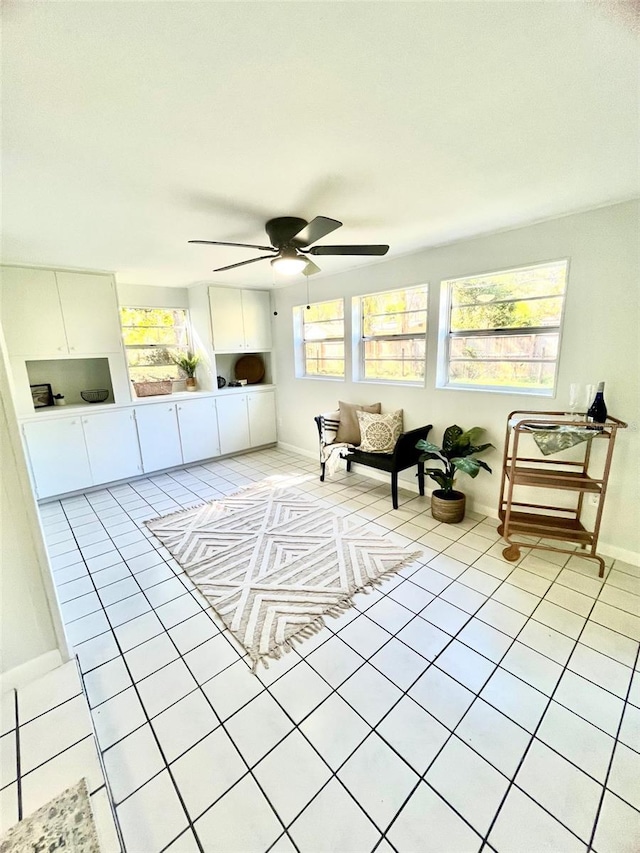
(152,337)
(323,338)
(504,328)
(393,335)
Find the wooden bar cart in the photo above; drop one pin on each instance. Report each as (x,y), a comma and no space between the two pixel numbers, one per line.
(523,522)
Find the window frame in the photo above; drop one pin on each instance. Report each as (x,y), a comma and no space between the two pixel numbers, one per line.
(300,341)
(359,340)
(187,348)
(445,335)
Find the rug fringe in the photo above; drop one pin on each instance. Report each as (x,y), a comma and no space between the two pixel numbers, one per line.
(334,610)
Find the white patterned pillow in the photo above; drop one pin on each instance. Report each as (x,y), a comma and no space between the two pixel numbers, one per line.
(379,433)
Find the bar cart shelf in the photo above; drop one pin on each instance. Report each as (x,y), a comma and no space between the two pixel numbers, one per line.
(522,522)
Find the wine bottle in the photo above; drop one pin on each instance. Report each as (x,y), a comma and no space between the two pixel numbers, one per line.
(597,412)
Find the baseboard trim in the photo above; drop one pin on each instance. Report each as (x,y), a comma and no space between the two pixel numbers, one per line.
(30,671)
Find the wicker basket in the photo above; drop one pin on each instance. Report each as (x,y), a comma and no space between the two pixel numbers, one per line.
(152,389)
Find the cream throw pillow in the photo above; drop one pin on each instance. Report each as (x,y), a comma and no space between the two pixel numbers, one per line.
(379,432)
(348,430)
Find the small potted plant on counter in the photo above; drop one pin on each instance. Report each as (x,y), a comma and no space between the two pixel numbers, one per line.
(187,364)
(458,448)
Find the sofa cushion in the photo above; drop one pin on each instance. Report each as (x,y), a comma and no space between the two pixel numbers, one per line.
(348,430)
(379,433)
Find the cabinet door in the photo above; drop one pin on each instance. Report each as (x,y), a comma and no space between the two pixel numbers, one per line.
(256,314)
(158,436)
(226,319)
(31,313)
(262,418)
(58,456)
(112,446)
(233,423)
(198,429)
(90,312)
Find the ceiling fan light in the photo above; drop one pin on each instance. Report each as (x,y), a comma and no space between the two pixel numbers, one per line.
(289,264)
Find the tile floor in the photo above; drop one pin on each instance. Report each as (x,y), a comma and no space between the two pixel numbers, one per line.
(47,744)
(467,704)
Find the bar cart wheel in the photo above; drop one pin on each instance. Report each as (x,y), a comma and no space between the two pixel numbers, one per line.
(500,530)
(512,553)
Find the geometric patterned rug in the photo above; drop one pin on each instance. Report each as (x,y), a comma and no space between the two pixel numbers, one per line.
(272,562)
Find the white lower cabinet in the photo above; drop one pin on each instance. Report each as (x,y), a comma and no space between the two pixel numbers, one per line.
(233,423)
(262,418)
(198,429)
(159,436)
(112,446)
(58,456)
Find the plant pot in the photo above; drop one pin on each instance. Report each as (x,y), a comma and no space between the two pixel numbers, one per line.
(447,506)
(192,383)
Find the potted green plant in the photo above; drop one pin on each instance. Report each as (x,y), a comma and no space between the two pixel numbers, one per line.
(456,454)
(187,364)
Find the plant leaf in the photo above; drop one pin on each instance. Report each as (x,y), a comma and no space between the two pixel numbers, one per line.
(423,444)
(424,456)
(450,439)
(467,465)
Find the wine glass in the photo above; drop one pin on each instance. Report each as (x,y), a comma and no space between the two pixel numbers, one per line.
(575,396)
(589,396)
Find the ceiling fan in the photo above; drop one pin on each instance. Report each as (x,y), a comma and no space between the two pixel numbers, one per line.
(291,239)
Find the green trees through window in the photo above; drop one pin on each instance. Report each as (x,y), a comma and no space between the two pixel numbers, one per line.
(504,328)
(323,338)
(394,328)
(151,337)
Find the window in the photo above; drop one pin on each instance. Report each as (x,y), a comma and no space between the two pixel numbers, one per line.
(151,336)
(502,330)
(321,329)
(393,329)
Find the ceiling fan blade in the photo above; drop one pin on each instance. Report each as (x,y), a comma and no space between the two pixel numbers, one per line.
(242,263)
(311,269)
(348,250)
(316,229)
(242,245)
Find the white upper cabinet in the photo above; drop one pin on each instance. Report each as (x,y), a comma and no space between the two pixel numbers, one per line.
(90,312)
(47,313)
(31,312)
(240,319)
(256,315)
(198,429)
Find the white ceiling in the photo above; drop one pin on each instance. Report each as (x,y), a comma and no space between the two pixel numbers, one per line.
(132,127)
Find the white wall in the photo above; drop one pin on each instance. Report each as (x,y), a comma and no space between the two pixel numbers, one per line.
(148,296)
(32,637)
(600,341)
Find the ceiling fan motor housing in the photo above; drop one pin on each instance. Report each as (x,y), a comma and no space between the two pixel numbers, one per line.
(282,230)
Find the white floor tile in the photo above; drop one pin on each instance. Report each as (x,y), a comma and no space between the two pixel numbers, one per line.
(299,691)
(399,663)
(630,729)
(8,759)
(584,745)
(523,825)
(333,822)
(163,688)
(207,771)
(132,762)
(497,738)
(469,783)
(335,661)
(291,775)
(49,690)
(523,704)
(184,723)
(150,656)
(389,614)
(568,793)
(364,635)
(257,727)
(51,733)
(414,733)
(618,827)
(424,638)
(231,689)
(335,730)
(117,717)
(193,632)
(241,822)
(8,807)
(445,616)
(210,658)
(446,830)
(589,701)
(485,639)
(97,651)
(536,669)
(106,681)
(463,597)
(610,643)
(153,816)
(600,669)
(442,696)
(370,693)
(378,779)
(465,665)
(625,773)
